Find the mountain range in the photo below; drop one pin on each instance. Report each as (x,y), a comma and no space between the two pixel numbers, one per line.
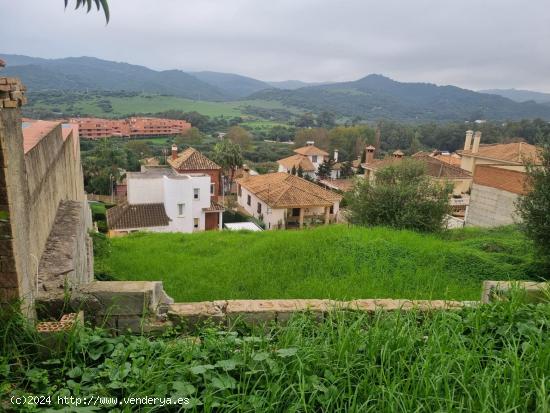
(372,97)
(519,95)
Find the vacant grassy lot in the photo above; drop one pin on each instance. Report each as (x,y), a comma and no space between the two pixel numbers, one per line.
(331,262)
(495,358)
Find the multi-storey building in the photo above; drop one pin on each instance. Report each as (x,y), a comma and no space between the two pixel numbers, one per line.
(97,128)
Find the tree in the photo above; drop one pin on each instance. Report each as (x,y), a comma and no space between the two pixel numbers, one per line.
(104,166)
(402,197)
(280,133)
(100,4)
(305,120)
(324,170)
(191,136)
(140,148)
(345,170)
(350,141)
(229,156)
(317,135)
(326,120)
(239,135)
(293,170)
(534,207)
(300,171)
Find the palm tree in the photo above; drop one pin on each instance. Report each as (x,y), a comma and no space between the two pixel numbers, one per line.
(100,4)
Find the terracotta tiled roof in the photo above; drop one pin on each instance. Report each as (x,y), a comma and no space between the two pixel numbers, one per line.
(343,185)
(440,169)
(34,132)
(191,159)
(282,190)
(452,159)
(380,163)
(516,152)
(310,150)
(214,207)
(126,216)
(434,167)
(297,161)
(499,178)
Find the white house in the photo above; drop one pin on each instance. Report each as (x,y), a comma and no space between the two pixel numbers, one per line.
(162,200)
(283,200)
(308,158)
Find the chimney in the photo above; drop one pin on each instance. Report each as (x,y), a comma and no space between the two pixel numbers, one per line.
(477,139)
(336,155)
(174,151)
(370,154)
(310,143)
(468,141)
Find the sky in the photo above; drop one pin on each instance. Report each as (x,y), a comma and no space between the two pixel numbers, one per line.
(476,44)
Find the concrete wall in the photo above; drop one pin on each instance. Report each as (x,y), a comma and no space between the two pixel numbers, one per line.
(491,207)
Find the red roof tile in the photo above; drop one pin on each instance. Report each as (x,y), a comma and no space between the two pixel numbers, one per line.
(192,160)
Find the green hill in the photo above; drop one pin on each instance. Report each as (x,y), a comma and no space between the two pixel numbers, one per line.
(520,95)
(81,73)
(330,262)
(234,86)
(377,97)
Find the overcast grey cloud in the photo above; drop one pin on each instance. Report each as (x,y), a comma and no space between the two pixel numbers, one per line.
(470,43)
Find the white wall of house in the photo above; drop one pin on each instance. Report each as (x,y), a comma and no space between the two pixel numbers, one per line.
(173,191)
(145,190)
(275,217)
(180,190)
(311,174)
(272,219)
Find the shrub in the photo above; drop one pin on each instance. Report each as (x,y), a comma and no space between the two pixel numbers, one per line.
(534,208)
(402,197)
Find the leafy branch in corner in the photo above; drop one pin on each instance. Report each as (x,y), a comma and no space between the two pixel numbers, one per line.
(100,4)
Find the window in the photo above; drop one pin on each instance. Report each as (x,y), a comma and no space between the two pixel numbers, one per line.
(259,208)
(331,209)
(239,190)
(212,189)
(181,209)
(248,200)
(314,159)
(196,223)
(196,193)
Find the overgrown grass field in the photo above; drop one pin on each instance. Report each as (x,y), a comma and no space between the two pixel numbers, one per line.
(495,358)
(329,262)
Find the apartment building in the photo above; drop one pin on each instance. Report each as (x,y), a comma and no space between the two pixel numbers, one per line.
(135,127)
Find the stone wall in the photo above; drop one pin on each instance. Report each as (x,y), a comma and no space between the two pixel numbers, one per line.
(15,281)
(490,207)
(53,175)
(36,189)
